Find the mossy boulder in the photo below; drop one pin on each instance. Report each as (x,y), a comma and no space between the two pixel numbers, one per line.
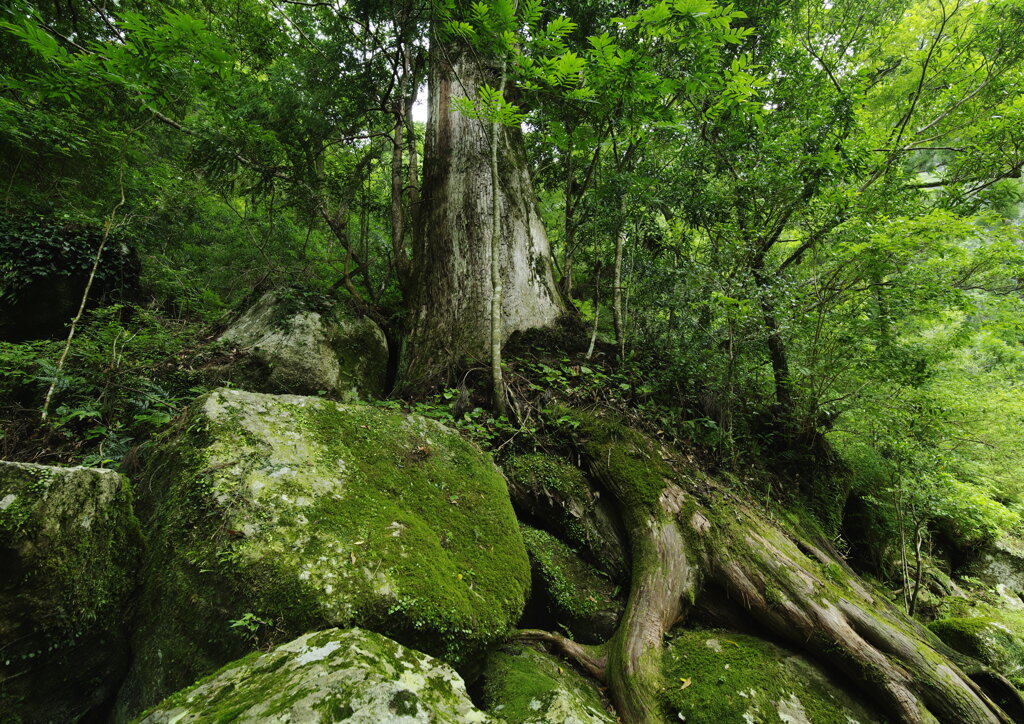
(558,496)
(69,554)
(996,640)
(525,686)
(271,516)
(568,592)
(328,676)
(1000,563)
(716,676)
(295,343)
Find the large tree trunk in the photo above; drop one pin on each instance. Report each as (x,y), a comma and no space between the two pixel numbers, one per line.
(452,282)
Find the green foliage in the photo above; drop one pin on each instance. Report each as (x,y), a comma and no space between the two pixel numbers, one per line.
(480,425)
(819,207)
(120,385)
(38,249)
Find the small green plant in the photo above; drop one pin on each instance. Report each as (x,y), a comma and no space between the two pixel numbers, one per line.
(119,386)
(249,625)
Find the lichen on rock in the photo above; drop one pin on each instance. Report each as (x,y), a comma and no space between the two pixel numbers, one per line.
(354,676)
(302,513)
(525,686)
(69,554)
(288,344)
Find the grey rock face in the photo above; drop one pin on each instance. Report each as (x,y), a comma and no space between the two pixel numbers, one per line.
(286,346)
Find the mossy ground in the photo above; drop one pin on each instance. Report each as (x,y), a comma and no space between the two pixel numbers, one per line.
(714,677)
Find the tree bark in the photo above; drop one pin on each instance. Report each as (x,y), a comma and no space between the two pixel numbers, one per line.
(497,383)
(401,258)
(617,318)
(452,286)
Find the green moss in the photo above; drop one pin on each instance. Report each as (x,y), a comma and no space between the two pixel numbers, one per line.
(76,536)
(71,547)
(404,703)
(309,514)
(523,685)
(542,473)
(719,676)
(414,478)
(632,464)
(18,499)
(556,493)
(334,673)
(995,640)
(575,594)
(540,470)
(575,587)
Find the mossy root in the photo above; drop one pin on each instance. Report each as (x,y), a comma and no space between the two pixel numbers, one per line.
(791,588)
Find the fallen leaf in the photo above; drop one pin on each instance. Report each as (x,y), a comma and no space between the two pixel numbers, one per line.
(686,682)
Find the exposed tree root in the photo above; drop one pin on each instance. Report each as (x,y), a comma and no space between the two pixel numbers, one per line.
(591,659)
(820,608)
(793,589)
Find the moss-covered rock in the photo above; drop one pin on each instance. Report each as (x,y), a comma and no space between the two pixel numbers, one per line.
(557,495)
(713,677)
(285,514)
(1000,563)
(996,640)
(569,592)
(296,343)
(328,676)
(525,686)
(69,555)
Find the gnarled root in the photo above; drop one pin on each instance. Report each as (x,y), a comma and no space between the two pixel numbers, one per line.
(795,590)
(822,608)
(589,658)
